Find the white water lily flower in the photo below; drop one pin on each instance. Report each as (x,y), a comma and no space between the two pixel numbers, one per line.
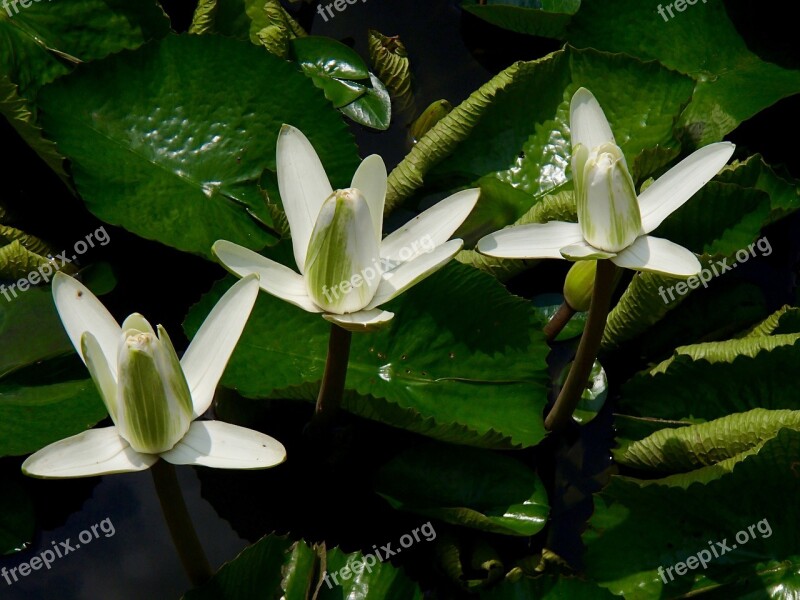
(613,223)
(152,397)
(345,270)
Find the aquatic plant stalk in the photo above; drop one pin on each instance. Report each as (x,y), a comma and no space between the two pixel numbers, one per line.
(183,534)
(570,393)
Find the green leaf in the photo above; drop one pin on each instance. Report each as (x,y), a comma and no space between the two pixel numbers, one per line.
(29,242)
(559,206)
(373,109)
(727,377)
(689,43)
(339,92)
(41,42)
(255,573)
(17,519)
(276,567)
(725,309)
(391,63)
(723,218)
(641,526)
(384,582)
(462,361)
(428,118)
(30,330)
(325,57)
(594,395)
(548,304)
(17,262)
(157,150)
(547,18)
(515,127)
(263,22)
(695,446)
(33,416)
(19,115)
(466,486)
(783,192)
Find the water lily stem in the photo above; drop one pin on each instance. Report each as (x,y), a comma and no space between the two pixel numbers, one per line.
(332,390)
(570,394)
(558,321)
(184,537)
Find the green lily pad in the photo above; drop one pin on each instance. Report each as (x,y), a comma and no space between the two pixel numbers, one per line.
(30,330)
(641,530)
(33,415)
(275,566)
(40,42)
(547,18)
(325,57)
(684,36)
(462,361)
(374,108)
(515,127)
(45,392)
(548,304)
(727,377)
(594,394)
(263,22)
(466,486)
(723,218)
(689,42)
(332,66)
(168,156)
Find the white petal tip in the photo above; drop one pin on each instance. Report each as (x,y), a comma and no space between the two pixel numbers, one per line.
(365,320)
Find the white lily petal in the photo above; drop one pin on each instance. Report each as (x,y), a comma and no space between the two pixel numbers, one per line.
(371,180)
(101,373)
(363,320)
(587,121)
(608,210)
(342,265)
(139,323)
(658,255)
(537,240)
(225,446)
(410,273)
(275,278)
(208,353)
(81,311)
(670,191)
(303,185)
(93,452)
(584,251)
(429,229)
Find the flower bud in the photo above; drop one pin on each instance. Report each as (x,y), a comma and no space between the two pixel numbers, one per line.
(154,401)
(342,269)
(608,208)
(579,284)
